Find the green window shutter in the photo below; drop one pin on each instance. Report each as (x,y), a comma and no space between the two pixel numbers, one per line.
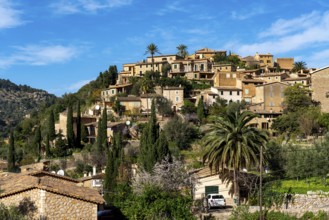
(211,189)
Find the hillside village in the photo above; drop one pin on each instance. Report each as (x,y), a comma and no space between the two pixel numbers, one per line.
(257,83)
(260,84)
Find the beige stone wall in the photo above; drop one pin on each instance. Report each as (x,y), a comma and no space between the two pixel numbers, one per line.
(274,97)
(285,63)
(16,198)
(320,88)
(61,125)
(61,207)
(54,206)
(175,96)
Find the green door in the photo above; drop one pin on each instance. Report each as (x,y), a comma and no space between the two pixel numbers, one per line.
(211,189)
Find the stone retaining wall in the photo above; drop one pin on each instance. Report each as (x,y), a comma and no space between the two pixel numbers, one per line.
(303,203)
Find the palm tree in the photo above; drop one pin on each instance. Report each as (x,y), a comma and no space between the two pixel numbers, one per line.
(182,50)
(232,143)
(298,66)
(152,49)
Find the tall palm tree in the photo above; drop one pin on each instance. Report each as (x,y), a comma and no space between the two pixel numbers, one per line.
(298,66)
(182,50)
(232,143)
(152,49)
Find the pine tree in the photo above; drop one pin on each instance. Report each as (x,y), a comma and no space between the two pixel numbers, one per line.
(69,127)
(162,148)
(78,136)
(48,146)
(37,140)
(11,153)
(200,110)
(51,126)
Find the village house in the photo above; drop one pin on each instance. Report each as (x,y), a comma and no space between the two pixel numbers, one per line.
(114,90)
(51,195)
(146,101)
(206,53)
(175,95)
(320,88)
(131,104)
(264,59)
(209,182)
(305,81)
(61,125)
(249,88)
(285,63)
(229,93)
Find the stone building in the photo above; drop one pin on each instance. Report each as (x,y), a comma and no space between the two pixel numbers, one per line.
(320,88)
(175,95)
(56,197)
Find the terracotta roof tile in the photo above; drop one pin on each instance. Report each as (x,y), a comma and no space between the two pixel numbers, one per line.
(16,183)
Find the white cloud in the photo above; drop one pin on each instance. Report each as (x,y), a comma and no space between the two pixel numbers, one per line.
(9,17)
(39,55)
(285,26)
(243,15)
(77,85)
(318,59)
(87,6)
(172,7)
(304,38)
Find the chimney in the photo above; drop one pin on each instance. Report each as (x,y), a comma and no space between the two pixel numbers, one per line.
(94,170)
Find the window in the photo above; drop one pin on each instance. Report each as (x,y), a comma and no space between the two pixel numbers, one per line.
(261,61)
(112,91)
(146,65)
(176,92)
(238,92)
(177,99)
(222,92)
(228,75)
(175,66)
(271,104)
(230,92)
(268,61)
(195,75)
(246,91)
(140,66)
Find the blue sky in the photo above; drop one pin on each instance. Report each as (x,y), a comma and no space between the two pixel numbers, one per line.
(60,45)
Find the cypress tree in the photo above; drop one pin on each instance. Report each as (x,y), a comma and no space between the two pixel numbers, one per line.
(150,134)
(112,165)
(162,147)
(11,153)
(99,137)
(48,146)
(200,110)
(102,143)
(84,134)
(69,127)
(78,138)
(51,126)
(103,131)
(37,140)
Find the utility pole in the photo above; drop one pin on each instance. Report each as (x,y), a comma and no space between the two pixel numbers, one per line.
(261,184)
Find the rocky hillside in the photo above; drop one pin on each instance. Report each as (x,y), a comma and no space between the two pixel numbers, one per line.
(18,101)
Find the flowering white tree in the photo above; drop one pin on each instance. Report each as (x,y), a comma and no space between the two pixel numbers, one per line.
(167,175)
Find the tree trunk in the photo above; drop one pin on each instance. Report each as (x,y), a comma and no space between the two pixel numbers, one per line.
(236,187)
